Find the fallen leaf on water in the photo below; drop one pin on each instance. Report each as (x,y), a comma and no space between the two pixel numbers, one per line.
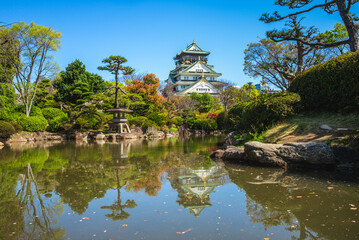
(124,225)
(184,232)
(353,208)
(330,188)
(266,238)
(165,212)
(352,205)
(242,230)
(87,218)
(179,210)
(111,239)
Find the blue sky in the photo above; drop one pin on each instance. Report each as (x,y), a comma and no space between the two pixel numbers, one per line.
(150,33)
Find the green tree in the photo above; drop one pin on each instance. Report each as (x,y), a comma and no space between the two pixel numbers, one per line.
(45,94)
(229,97)
(277,63)
(34,44)
(205,101)
(330,7)
(8,50)
(75,85)
(113,64)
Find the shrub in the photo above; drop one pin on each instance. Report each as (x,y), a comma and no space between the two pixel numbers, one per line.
(6,129)
(173,129)
(333,85)
(55,118)
(86,122)
(33,124)
(223,121)
(16,126)
(158,119)
(50,113)
(205,124)
(259,113)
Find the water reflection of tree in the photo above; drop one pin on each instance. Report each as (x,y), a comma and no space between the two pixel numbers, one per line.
(299,203)
(24,213)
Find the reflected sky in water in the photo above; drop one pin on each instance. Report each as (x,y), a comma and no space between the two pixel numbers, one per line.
(165,189)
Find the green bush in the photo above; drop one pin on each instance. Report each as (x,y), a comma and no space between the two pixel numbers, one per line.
(16,126)
(259,113)
(34,112)
(333,85)
(55,123)
(6,129)
(32,123)
(55,118)
(173,129)
(86,122)
(223,121)
(205,124)
(50,113)
(158,119)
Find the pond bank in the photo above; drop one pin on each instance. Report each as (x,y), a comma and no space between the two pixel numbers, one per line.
(291,155)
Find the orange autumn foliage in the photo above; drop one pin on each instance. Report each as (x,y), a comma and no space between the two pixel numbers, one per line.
(147,88)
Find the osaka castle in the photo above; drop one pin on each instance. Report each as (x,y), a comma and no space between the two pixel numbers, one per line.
(193,74)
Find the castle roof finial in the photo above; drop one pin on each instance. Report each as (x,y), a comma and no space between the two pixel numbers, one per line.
(194,42)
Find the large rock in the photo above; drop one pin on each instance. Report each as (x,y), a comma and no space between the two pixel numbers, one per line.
(100,136)
(16,138)
(217,154)
(265,154)
(129,136)
(234,155)
(312,153)
(289,154)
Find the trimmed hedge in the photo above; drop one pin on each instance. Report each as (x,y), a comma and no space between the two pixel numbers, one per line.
(32,124)
(260,113)
(6,129)
(333,85)
(55,118)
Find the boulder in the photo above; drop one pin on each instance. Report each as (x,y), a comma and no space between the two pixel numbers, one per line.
(80,136)
(279,155)
(100,136)
(217,154)
(311,153)
(264,154)
(54,137)
(128,136)
(234,155)
(16,138)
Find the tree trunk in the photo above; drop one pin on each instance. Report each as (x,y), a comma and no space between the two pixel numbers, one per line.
(300,56)
(349,24)
(116,92)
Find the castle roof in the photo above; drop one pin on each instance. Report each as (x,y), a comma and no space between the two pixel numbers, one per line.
(193,48)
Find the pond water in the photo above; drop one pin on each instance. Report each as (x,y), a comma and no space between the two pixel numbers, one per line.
(165,189)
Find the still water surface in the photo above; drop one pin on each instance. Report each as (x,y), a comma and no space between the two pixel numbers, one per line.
(165,189)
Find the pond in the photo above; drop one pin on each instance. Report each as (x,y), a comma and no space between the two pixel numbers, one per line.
(165,189)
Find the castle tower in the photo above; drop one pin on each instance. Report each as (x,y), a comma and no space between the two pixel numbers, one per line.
(193,74)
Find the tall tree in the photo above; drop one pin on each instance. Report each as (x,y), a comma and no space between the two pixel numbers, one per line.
(229,97)
(330,7)
(8,56)
(113,64)
(277,63)
(76,85)
(34,44)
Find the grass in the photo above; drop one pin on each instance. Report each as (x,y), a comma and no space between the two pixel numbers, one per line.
(305,127)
